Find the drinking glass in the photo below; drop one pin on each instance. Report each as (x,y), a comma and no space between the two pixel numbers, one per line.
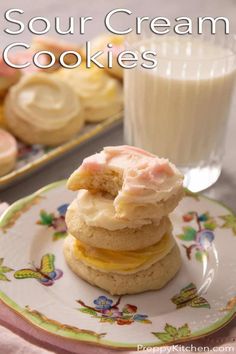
(179,110)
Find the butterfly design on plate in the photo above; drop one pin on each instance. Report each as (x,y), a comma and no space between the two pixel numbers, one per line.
(188,296)
(46,274)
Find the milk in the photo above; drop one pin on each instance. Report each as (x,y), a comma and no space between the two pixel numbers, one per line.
(179,109)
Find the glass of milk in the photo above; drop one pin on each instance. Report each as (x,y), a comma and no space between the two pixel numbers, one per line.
(179,110)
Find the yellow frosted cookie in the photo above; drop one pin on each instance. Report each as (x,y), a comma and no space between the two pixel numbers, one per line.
(102,95)
(100,44)
(136,275)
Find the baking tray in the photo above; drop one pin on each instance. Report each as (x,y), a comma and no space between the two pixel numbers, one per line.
(33,157)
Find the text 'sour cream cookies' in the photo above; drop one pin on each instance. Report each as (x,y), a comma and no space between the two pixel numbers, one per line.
(43,110)
(120,236)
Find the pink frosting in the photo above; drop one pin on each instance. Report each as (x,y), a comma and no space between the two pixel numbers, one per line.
(22,57)
(149,165)
(146,177)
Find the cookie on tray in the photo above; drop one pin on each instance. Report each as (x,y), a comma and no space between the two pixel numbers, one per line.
(101,95)
(40,109)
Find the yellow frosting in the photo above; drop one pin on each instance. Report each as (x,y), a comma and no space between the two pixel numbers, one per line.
(98,91)
(123,261)
(99,211)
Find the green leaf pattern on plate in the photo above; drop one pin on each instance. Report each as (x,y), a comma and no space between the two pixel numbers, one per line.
(107,311)
(172,333)
(4,270)
(55,221)
(229,222)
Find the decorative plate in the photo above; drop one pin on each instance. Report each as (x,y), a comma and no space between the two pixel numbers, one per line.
(32,157)
(37,284)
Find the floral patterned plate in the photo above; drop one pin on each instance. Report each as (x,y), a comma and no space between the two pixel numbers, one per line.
(36,282)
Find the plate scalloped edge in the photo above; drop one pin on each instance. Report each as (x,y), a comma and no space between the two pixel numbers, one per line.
(87,336)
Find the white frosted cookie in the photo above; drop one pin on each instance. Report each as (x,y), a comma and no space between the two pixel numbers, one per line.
(100,44)
(151,277)
(8,77)
(102,95)
(108,237)
(8,152)
(43,110)
(142,185)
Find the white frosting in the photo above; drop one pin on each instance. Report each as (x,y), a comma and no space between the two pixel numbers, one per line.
(146,177)
(97,210)
(42,100)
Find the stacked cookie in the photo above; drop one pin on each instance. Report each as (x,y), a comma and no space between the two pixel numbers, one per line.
(120,235)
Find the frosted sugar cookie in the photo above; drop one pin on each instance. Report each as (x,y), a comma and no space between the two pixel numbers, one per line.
(101,94)
(95,224)
(43,110)
(100,43)
(120,236)
(142,185)
(127,272)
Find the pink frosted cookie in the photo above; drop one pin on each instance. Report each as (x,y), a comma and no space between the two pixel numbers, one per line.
(8,152)
(56,47)
(26,56)
(8,77)
(142,185)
